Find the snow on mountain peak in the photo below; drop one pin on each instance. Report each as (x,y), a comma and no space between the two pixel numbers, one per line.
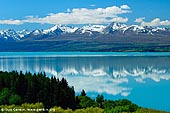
(97,28)
(113,28)
(134,28)
(61,28)
(68,29)
(91,28)
(55,27)
(158,28)
(23,33)
(117,26)
(37,32)
(10,33)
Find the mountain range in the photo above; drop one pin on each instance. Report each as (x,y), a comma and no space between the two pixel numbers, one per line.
(84,31)
(113,37)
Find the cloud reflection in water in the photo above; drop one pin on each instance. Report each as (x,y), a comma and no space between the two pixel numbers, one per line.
(101,75)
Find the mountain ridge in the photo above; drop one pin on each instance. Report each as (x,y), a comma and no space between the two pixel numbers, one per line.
(115,37)
(87,30)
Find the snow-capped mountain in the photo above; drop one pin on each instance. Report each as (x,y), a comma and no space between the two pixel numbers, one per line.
(23,33)
(87,30)
(90,29)
(114,28)
(135,29)
(12,35)
(9,34)
(67,29)
(59,29)
(36,32)
(118,28)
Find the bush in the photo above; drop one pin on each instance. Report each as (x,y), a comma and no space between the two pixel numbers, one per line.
(86,101)
(4,96)
(15,99)
(89,110)
(60,110)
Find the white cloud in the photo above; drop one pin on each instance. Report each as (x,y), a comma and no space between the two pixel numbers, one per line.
(11,22)
(84,16)
(99,85)
(124,7)
(120,76)
(139,20)
(78,16)
(119,19)
(154,22)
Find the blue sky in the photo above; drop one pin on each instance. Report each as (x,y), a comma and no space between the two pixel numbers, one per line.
(33,14)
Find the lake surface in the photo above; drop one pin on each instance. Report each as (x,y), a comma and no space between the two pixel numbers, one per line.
(143,78)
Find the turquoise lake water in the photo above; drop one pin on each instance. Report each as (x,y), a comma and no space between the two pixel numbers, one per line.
(143,78)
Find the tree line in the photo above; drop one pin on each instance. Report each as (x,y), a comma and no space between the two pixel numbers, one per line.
(17,88)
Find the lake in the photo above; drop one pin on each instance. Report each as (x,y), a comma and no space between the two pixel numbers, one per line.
(143,78)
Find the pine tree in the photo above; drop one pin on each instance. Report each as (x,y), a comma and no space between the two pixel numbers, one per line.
(83,93)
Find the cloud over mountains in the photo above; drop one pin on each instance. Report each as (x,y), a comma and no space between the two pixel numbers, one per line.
(88,16)
(11,22)
(78,16)
(154,22)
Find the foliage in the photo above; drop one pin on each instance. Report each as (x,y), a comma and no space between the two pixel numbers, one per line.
(4,96)
(32,108)
(17,88)
(87,110)
(108,105)
(85,101)
(145,110)
(100,100)
(60,110)
(38,107)
(15,99)
(118,106)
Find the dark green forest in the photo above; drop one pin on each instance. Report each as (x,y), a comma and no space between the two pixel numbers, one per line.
(17,88)
(37,91)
